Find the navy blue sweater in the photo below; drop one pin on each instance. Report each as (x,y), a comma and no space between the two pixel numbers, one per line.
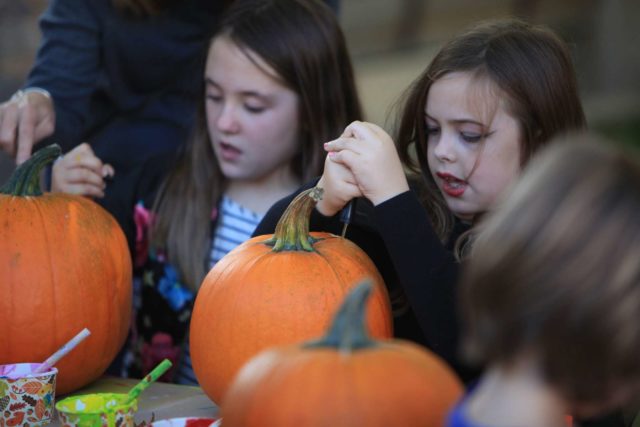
(128,85)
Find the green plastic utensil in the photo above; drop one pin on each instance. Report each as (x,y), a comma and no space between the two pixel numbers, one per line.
(148,379)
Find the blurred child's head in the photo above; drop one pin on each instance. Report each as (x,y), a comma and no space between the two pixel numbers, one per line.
(279,83)
(515,83)
(554,273)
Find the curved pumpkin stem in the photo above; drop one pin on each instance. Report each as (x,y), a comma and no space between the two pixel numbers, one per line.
(25,180)
(292,231)
(348,331)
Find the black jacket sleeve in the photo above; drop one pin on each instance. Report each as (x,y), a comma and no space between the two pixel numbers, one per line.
(428,273)
(68,65)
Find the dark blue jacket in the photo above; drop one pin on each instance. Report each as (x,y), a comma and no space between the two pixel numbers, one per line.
(127,85)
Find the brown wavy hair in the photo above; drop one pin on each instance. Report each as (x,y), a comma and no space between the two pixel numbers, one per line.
(554,271)
(530,65)
(302,41)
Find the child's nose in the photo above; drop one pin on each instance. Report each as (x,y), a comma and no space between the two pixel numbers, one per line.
(227,121)
(445,148)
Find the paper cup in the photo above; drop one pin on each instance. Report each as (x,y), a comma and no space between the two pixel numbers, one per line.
(187,422)
(96,410)
(26,398)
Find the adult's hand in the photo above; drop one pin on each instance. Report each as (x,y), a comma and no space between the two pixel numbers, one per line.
(25,119)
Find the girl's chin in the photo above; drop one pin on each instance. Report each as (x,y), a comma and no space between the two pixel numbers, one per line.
(232,172)
(462,214)
(464,210)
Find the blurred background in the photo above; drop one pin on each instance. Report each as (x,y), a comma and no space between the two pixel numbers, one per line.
(392,41)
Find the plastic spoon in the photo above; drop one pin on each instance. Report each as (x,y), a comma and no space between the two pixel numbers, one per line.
(147,380)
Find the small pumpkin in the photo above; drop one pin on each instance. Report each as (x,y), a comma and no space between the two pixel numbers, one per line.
(275,290)
(65,266)
(344,379)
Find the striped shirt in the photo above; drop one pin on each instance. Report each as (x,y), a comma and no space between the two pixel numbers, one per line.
(235,225)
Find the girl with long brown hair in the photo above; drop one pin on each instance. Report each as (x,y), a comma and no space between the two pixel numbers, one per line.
(278,82)
(489,99)
(273,71)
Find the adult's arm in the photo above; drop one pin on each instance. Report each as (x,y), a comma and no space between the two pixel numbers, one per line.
(67,65)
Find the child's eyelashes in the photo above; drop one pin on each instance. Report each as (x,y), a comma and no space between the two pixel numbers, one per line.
(472,137)
(254,109)
(213,98)
(251,108)
(433,130)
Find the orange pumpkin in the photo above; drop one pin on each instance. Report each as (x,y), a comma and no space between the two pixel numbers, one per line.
(65,266)
(344,379)
(276,290)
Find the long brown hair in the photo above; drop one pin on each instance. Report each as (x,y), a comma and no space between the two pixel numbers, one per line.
(554,271)
(302,41)
(530,65)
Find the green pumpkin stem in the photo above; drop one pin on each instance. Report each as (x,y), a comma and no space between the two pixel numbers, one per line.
(25,180)
(349,331)
(292,231)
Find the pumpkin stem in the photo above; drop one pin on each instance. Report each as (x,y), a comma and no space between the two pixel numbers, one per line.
(292,231)
(348,331)
(25,180)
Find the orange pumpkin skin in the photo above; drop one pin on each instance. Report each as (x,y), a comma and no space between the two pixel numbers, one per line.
(391,383)
(255,298)
(65,266)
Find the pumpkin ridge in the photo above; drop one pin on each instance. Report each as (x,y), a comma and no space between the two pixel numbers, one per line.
(13,307)
(228,260)
(333,269)
(43,221)
(333,252)
(109,320)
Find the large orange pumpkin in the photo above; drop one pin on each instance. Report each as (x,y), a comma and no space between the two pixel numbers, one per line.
(342,380)
(65,265)
(276,290)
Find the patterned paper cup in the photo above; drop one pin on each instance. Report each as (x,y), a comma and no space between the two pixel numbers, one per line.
(97,410)
(26,398)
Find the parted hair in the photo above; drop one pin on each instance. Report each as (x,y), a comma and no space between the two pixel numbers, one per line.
(555,271)
(301,40)
(529,65)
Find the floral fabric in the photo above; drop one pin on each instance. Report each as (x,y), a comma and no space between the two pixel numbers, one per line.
(162,305)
